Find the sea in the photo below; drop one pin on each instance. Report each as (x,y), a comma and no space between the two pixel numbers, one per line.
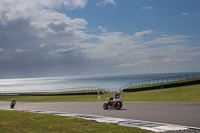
(69,83)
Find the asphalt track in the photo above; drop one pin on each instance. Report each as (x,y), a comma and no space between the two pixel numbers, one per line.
(178,113)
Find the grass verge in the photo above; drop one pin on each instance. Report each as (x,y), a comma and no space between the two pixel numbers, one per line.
(16,121)
(167,84)
(183,93)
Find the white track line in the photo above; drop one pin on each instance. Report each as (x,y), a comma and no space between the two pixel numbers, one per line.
(152,126)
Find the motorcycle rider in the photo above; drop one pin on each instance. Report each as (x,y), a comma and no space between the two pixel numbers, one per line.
(13,102)
(114,98)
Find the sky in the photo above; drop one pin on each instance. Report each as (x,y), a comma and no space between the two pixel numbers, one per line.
(98,37)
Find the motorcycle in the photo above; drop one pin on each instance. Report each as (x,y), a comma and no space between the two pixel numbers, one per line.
(116,103)
(12,104)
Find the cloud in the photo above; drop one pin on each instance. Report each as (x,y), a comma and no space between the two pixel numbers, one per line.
(169,39)
(65,52)
(185,13)
(106,2)
(18,50)
(141,52)
(37,39)
(28,9)
(138,34)
(147,7)
(2,50)
(55,23)
(26,29)
(163,58)
(42,45)
(102,29)
(73,4)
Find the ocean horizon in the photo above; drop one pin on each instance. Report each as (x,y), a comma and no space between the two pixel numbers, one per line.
(67,83)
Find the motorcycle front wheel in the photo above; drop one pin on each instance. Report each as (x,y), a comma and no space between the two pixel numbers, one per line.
(12,105)
(118,105)
(105,106)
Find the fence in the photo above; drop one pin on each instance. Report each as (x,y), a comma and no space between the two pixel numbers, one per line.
(83,89)
(161,80)
(138,83)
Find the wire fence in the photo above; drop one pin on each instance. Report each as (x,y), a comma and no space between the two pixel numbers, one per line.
(84,89)
(161,80)
(139,83)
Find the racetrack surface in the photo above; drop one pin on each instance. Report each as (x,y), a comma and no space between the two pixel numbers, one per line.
(179,113)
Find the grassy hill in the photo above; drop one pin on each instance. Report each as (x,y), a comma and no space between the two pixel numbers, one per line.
(189,93)
(182,93)
(187,82)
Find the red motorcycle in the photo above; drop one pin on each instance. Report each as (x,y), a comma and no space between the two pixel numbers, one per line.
(114,103)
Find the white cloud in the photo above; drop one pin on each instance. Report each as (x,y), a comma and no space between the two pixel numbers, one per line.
(185,13)
(28,26)
(28,9)
(136,52)
(73,4)
(167,60)
(138,34)
(169,39)
(42,45)
(2,50)
(102,29)
(54,22)
(18,50)
(44,19)
(126,65)
(119,46)
(147,7)
(106,2)
(134,64)
(63,50)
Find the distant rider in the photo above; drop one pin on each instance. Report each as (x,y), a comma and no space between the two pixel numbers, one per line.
(13,102)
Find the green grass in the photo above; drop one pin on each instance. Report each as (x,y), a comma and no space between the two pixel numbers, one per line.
(64,92)
(67,98)
(14,121)
(161,84)
(184,93)
(23,122)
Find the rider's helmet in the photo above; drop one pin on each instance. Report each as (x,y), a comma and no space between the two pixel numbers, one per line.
(118,93)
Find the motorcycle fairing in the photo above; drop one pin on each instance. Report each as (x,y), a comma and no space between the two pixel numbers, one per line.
(114,103)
